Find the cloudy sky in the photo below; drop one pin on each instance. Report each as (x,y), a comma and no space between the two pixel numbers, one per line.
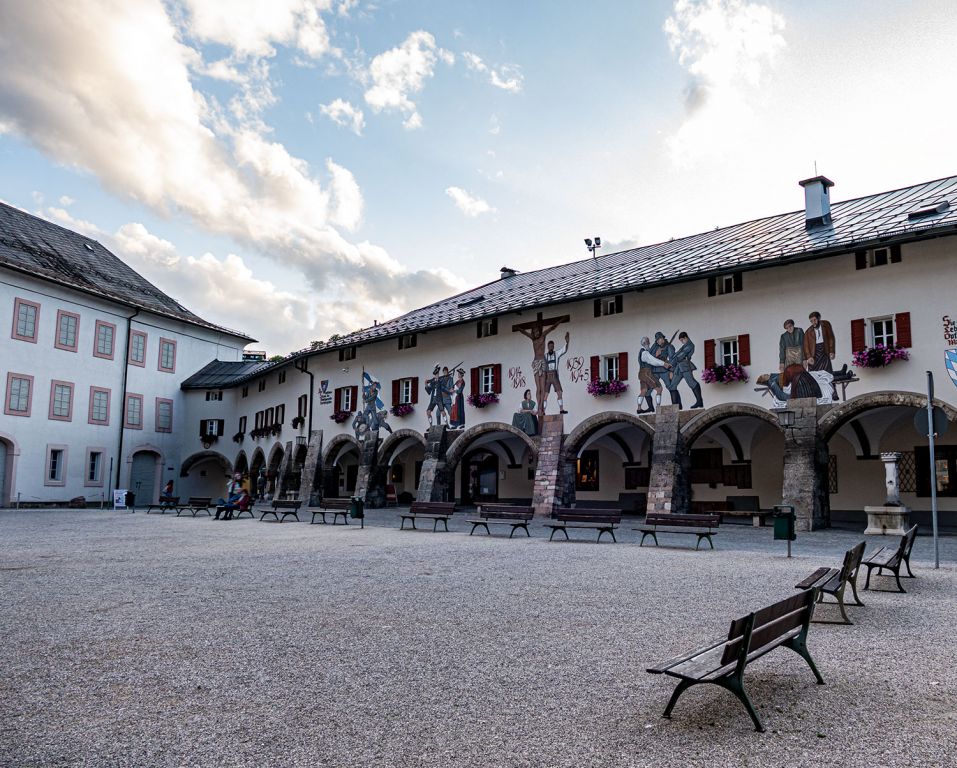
(298,168)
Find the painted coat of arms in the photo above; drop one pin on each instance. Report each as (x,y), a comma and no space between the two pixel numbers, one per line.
(950,355)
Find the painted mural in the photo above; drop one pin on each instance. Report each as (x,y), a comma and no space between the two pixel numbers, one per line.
(446,391)
(662,366)
(950,354)
(373,415)
(547,359)
(525,419)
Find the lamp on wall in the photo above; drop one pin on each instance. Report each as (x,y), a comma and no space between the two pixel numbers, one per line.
(785,417)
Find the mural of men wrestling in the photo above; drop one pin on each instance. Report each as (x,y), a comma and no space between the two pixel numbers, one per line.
(819,347)
(648,380)
(439,389)
(683,370)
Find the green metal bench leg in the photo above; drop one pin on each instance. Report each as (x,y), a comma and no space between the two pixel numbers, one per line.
(683,686)
(737,688)
(445,522)
(799,646)
(910,574)
(857,600)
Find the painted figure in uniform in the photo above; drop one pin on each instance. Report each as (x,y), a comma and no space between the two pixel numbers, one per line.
(663,350)
(435,388)
(819,347)
(791,346)
(682,369)
(552,361)
(647,378)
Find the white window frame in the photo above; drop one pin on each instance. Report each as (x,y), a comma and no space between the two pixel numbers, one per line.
(345,399)
(879,257)
(214,395)
(102,396)
(212,428)
(724,284)
(408,341)
(610,367)
(878,328)
(609,306)
(728,352)
(405,391)
(94,467)
(54,471)
(489,327)
(61,401)
(486,379)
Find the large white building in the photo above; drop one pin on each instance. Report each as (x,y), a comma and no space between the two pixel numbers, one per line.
(872,271)
(91,368)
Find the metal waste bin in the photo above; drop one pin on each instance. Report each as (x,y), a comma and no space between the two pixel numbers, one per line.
(357,510)
(131,501)
(784,518)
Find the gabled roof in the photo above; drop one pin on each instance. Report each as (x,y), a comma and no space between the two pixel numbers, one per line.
(222,374)
(781,239)
(38,247)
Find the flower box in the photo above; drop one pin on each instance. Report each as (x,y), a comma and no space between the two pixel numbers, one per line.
(341,416)
(298,421)
(724,374)
(238,437)
(601,387)
(480,401)
(879,356)
(402,409)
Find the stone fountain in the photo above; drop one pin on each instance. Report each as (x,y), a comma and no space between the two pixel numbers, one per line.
(893,518)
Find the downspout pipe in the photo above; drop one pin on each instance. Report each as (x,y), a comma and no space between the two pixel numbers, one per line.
(122,409)
(302,367)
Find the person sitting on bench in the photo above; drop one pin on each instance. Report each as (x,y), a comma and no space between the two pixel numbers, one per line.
(233,490)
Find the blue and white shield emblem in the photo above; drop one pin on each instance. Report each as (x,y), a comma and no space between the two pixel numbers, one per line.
(950,361)
(324,386)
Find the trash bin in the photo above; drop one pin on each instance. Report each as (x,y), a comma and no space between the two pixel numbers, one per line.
(356,510)
(784,518)
(131,501)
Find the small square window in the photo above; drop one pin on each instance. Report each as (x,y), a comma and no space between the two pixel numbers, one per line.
(405,391)
(609,367)
(882,332)
(488,327)
(347,353)
(723,284)
(407,341)
(728,351)
(214,395)
(486,379)
(282,377)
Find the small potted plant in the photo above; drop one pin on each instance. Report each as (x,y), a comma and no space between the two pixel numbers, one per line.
(402,409)
(879,356)
(480,401)
(724,374)
(600,387)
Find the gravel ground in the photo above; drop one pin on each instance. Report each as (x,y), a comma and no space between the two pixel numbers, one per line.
(134,640)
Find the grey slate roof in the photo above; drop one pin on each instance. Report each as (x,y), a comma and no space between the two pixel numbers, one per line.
(221,374)
(771,241)
(39,247)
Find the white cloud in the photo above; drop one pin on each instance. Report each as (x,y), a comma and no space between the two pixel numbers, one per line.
(63,217)
(252,27)
(107,89)
(470,205)
(342,113)
(508,77)
(66,200)
(401,71)
(727,47)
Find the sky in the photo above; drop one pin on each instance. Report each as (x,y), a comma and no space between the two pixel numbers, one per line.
(299,168)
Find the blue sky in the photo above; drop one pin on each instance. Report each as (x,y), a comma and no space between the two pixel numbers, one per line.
(297,168)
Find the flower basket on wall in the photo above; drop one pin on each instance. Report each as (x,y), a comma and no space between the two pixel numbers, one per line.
(341,416)
(879,356)
(275,429)
(298,421)
(402,409)
(600,387)
(724,374)
(480,401)
(238,437)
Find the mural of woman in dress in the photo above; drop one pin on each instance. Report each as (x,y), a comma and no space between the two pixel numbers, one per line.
(457,415)
(525,419)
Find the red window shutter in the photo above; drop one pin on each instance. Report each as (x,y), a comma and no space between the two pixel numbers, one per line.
(744,349)
(595,368)
(497,378)
(337,398)
(858,335)
(415,389)
(902,329)
(623,366)
(395,391)
(475,381)
(355,398)
(709,353)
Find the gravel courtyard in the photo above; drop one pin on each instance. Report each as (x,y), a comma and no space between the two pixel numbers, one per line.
(135,640)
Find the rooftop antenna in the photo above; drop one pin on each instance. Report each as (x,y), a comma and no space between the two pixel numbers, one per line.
(593,247)
(815,167)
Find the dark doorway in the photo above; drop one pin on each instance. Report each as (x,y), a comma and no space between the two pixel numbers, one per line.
(352,475)
(479,478)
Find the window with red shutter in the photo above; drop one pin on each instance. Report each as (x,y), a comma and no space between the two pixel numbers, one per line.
(902,329)
(744,349)
(396,395)
(595,368)
(709,353)
(415,389)
(497,378)
(858,335)
(355,398)
(623,366)
(475,381)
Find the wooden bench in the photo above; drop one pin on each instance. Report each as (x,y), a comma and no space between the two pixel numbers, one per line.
(757,516)
(337,507)
(834,581)
(723,662)
(702,526)
(284,507)
(602,520)
(429,510)
(500,514)
(196,504)
(164,503)
(887,559)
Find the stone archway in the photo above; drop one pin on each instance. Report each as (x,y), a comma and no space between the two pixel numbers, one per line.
(397,442)
(8,468)
(463,441)
(838,416)
(340,477)
(398,465)
(198,458)
(487,462)
(204,473)
(702,422)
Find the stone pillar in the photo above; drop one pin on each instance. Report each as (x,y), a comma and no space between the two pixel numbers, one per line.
(805,467)
(669,488)
(285,467)
(435,483)
(370,485)
(547,490)
(310,482)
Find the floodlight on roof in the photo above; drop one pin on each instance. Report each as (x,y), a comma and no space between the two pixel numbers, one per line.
(593,247)
(588,242)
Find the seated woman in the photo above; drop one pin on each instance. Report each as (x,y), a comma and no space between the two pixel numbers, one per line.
(241,504)
(525,419)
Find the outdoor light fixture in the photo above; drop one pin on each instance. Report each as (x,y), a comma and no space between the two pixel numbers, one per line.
(786,418)
(300,440)
(593,247)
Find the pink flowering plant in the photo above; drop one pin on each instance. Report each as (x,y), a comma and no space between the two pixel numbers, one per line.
(480,401)
(879,356)
(599,387)
(402,409)
(724,374)
(341,416)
